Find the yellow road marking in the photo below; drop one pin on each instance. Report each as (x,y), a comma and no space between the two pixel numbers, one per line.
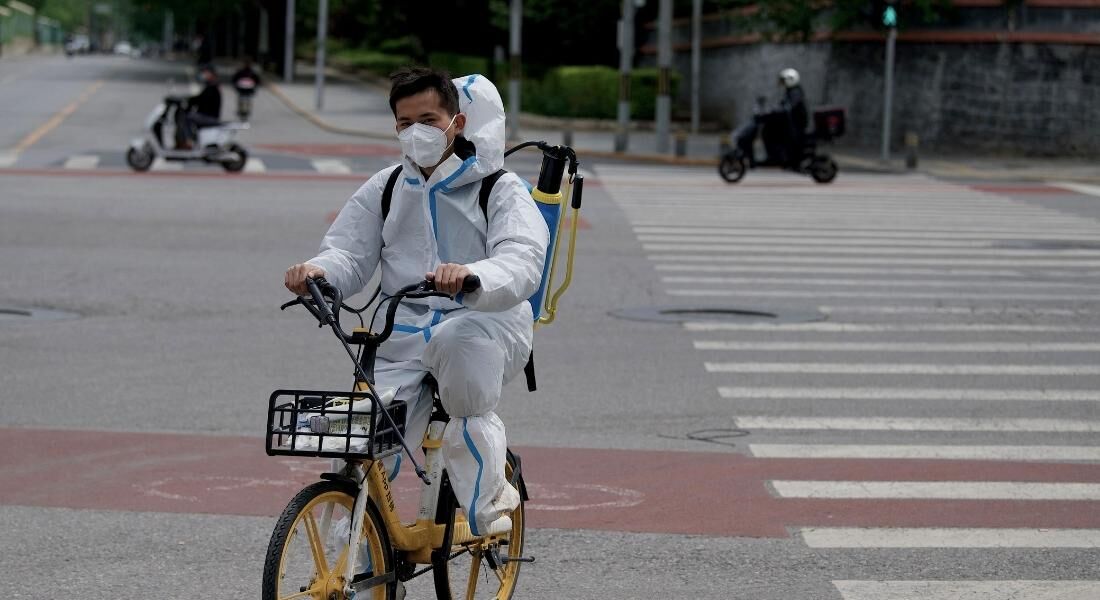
(33,137)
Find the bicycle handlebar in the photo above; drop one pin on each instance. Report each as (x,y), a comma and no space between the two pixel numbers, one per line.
(326,314)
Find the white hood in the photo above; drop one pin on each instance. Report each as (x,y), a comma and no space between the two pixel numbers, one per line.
(480,101)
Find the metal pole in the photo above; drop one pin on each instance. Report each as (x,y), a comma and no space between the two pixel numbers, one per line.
(319,69)
(664,64)
(696,60)
(288,44)
(515,44)
(626,63)
(888,93)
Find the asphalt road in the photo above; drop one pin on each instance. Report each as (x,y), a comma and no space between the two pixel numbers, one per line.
(918,419)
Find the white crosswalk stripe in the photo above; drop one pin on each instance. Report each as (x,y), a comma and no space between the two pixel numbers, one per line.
(255,165)
(909,394)
(82,161)
(331,165)
(908,283)
(940,490)
(929,452)
(1003,425)
(891,347)
(899,369)
(953,537)
(159,164)
(968,590)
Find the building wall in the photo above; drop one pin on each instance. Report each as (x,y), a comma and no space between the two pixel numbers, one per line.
(1015,98)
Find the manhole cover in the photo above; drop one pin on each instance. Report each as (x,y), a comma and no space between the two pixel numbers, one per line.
(10,313)
(679,314)
(1049,244)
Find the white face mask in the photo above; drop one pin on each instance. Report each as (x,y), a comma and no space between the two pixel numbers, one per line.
(424,144)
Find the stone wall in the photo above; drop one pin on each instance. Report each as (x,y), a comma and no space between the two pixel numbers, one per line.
(1013,98)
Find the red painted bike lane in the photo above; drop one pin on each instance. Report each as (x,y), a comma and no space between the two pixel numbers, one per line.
(706,493)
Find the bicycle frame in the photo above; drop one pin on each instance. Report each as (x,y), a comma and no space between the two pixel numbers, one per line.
(438,526)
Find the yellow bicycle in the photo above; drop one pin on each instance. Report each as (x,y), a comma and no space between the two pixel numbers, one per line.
(341,538)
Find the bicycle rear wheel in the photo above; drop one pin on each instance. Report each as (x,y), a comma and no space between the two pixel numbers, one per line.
(468,574)
(309,547)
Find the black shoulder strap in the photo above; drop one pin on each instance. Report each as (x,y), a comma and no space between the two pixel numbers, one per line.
(529,371)
(486,189)
(387,194)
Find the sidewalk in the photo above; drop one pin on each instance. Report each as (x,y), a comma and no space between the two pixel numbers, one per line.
(361,109)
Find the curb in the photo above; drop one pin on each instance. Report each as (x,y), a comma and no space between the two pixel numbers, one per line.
(325,125)
(318,121)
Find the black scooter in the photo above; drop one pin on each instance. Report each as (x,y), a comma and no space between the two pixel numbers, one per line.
(783,153)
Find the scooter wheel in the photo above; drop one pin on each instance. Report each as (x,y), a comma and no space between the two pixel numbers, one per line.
(732,168)
(235,165)
(823,169)
(139,159)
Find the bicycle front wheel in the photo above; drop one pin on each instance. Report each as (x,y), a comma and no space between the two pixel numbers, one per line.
(308,553)
(470,574)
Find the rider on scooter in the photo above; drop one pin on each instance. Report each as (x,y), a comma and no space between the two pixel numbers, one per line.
(783,128)
(204,109)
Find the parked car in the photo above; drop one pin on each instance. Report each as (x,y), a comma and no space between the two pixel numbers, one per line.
(124,49)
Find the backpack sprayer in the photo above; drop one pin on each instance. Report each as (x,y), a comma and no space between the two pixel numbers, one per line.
(550,196)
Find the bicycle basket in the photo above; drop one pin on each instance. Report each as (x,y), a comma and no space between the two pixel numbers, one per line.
(344,425)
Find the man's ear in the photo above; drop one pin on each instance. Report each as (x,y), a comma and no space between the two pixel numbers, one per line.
(460,123)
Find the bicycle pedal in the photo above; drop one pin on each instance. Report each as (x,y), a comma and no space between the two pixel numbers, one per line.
(526,559)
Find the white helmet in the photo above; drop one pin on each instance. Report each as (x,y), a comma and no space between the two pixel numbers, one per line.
(788,77)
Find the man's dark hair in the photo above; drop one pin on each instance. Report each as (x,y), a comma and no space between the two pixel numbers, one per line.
(413,80)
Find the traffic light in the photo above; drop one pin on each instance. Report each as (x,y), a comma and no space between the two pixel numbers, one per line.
(890,16)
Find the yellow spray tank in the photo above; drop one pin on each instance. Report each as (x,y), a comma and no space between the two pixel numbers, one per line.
(550,196)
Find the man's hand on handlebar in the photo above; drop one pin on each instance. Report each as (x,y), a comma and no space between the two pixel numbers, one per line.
(448,278)
(296,277)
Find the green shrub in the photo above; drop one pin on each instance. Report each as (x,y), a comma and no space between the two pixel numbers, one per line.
(459,64)
(643,92)
(370,61)
(592,92)
(408,45)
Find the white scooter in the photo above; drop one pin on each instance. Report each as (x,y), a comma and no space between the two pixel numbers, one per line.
(216,144)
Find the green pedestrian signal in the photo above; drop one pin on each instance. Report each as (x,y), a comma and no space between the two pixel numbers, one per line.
(890,17)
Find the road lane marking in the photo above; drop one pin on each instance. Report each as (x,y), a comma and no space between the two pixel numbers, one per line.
(817,251)
(894,347)
(828,327)
(325,165)
(883,242)
(900,369)
(968,590)
(254,165)
(937,490)
(957,310)
(887,295)
(820,270)
(928,452)
(59,117)
(898,393)
(159,164)
(885,234)
(894,283)
(1000,425)
(846,260)
(82,161)
(1081,188)
(961,537)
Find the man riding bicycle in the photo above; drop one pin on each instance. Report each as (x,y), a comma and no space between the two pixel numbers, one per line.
(435,228)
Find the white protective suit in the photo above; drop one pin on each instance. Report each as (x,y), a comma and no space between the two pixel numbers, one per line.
(471,346)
